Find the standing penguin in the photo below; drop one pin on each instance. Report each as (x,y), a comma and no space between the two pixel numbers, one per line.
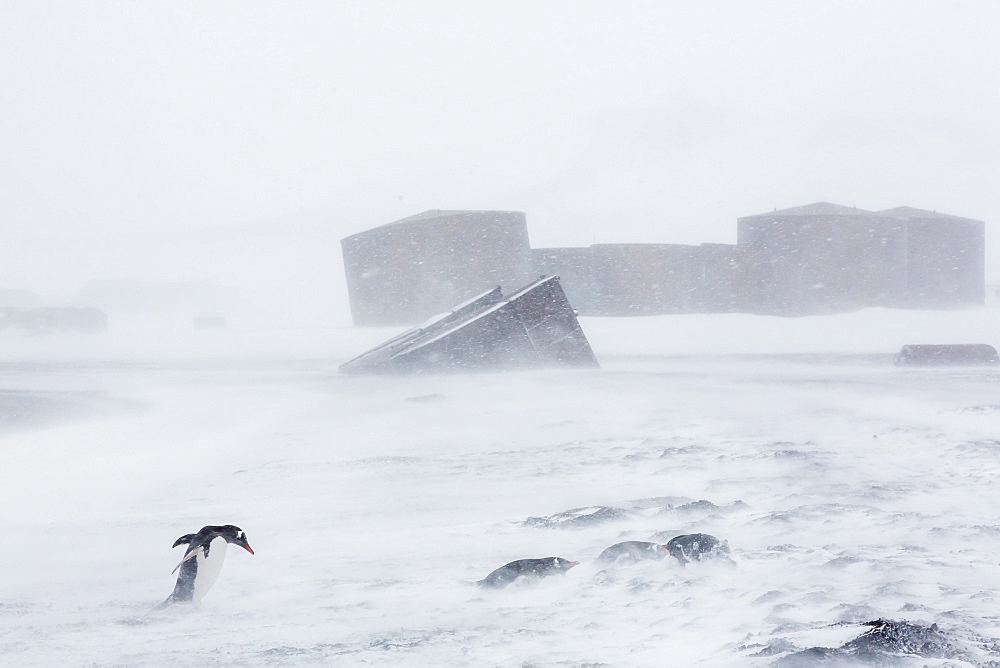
(202,561)
(531,568)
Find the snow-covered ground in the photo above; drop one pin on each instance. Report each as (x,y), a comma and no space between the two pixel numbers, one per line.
(848,490)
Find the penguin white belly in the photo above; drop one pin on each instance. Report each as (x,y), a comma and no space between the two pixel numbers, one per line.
(208,568)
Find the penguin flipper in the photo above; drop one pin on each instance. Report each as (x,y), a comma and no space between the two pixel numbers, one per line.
(187,538)
(169,601)
(190,555)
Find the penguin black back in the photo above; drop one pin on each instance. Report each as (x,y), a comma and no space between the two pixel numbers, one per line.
(697,547)
(534,568)
(203,560)
(632,550)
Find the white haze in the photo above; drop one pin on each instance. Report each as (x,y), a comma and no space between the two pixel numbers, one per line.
(238,141)
(234,144)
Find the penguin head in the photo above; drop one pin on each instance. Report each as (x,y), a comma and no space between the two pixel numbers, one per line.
(234,534)
(677,552)
(560,564)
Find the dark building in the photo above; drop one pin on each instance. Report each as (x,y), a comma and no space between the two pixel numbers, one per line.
(945,259)
(407,271)
(819,258)
(577,272)
(642,279)
(718,279)
(824,258)
(647,279)
(54,320)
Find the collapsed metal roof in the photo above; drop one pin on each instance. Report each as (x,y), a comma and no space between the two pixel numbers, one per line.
(533,327)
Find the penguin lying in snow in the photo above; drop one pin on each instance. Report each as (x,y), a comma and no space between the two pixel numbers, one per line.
(202,561)
(534,568)
(697,547)
(632,550)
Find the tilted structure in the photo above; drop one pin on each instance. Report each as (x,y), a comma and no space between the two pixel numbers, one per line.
(531,328)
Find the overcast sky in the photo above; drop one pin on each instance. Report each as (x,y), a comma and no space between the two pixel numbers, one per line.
(131,127)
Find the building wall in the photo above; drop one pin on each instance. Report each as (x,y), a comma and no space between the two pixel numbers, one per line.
(821,258)
(405,272)
(946,263)
(831,263)
(717,279)
(645,279)
(824,264)
(640,279)
(577,273)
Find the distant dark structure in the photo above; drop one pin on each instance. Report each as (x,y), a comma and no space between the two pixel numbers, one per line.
(533,327)
(54,320)
(646,279)
(826,258)
(814,259)
(959,354)
(407,271)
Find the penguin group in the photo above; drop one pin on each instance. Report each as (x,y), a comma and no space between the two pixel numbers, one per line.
(206,552)
(684,548)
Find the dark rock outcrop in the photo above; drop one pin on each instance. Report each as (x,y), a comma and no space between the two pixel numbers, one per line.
(886,643)
(578,518)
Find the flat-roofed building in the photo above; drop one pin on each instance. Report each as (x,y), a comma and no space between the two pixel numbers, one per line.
(824,258)
(404,272)
(813,259)
(647,279)
(945,259)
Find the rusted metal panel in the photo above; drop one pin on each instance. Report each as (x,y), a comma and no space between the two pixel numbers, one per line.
(532,327)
